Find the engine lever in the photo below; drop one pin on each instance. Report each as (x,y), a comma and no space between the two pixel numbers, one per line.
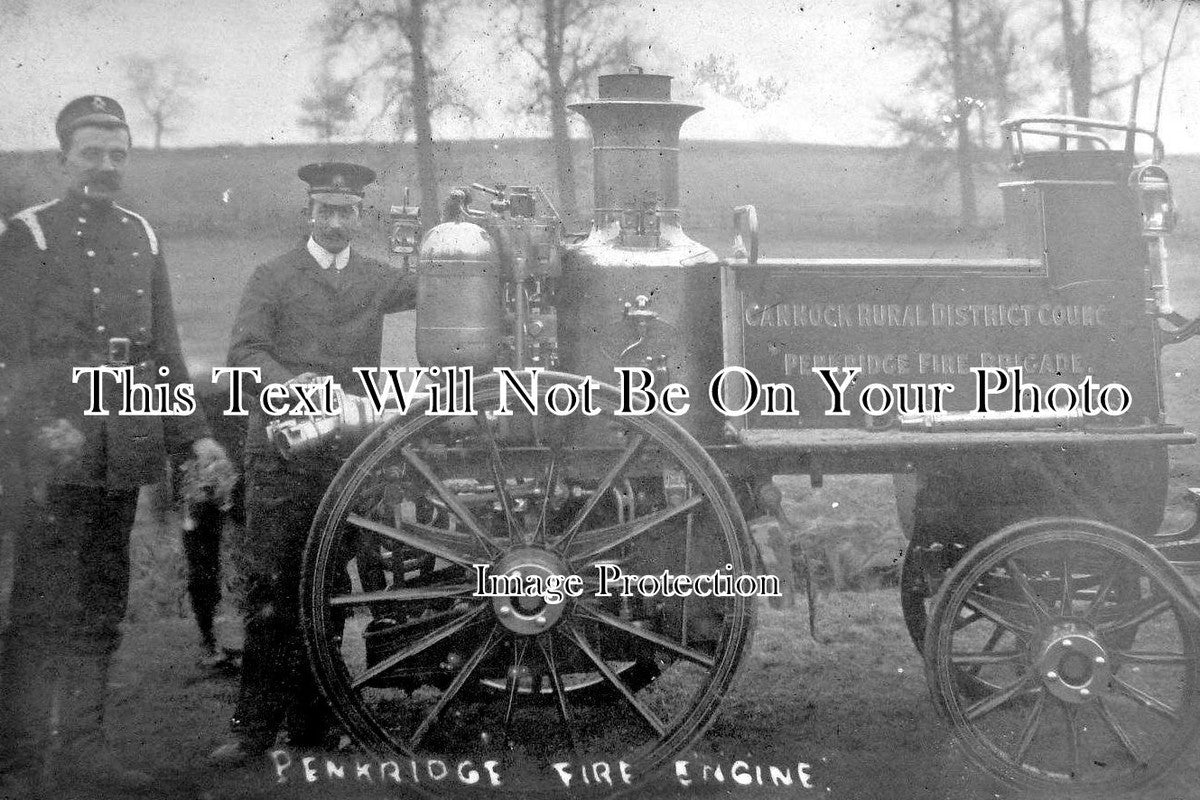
(497,192)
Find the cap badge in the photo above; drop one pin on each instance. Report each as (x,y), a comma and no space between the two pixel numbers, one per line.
(99,104)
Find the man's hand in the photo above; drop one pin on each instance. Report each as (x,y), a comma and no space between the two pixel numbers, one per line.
(209,453)
(305,379)
(60,442)
(208,476)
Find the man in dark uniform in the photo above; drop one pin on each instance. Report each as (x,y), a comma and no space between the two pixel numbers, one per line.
(312,313)
(85,286)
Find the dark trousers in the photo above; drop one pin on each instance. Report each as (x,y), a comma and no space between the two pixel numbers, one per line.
(202,549)
(277,689)
(70,591)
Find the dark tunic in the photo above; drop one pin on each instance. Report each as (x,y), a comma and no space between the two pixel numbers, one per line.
(295,317)
(78,273)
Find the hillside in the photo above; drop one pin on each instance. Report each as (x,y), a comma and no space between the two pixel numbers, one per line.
(801,191)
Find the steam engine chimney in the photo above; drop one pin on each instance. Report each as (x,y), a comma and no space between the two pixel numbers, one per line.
(635,150)
(638,292)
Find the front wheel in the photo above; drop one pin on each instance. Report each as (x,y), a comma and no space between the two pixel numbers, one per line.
(418,664)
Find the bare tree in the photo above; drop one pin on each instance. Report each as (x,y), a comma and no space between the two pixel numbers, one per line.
(329,109)
(1092,68)
(722,75)
(393,43)
(966,177)
(969,68)
(570,42)
(162,86)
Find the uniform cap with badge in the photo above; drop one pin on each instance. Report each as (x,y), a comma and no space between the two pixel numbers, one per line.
(336,183)
(89,110)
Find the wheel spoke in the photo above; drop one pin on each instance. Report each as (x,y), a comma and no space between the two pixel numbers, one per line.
(1103,591)
(1030,729)
(454,548)
(582,643)
(1148,700)
(989,647)
(551,475)
(1067,589)
(401,595)
(546,645)
(419,646)
(695,656)
(1073,749)
(1147,657)
(997,616)
(602,488)
(1137,614)
(1039,608)
(980,659)
(449,498)
(498,478)
(1119,731)
(593,543)
(513,682)
(971,618)
(993,701)
(455,686)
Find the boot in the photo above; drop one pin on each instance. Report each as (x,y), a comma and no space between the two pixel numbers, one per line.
(87,757)
(25,699)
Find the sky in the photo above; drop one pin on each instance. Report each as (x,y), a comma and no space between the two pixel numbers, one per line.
(258,57)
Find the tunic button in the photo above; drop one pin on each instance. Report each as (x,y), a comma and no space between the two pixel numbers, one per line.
(125,219)
(91,253)
(136,254)
(141,292)
(99,329)
(82,219)
(142,330)
(95,290)
(79,233)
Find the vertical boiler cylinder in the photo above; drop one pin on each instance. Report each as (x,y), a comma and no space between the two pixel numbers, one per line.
(638,292)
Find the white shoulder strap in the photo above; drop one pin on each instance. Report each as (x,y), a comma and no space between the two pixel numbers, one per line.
(149,231)
(29,217)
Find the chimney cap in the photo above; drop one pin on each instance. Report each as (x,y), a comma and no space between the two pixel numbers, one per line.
(635,86)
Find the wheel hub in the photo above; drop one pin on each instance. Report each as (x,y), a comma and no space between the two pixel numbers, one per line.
(521,613)
(1073,664)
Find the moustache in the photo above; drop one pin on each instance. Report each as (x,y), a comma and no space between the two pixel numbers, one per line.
(104,179)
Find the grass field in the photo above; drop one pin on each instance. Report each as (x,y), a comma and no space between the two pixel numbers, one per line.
(801,190)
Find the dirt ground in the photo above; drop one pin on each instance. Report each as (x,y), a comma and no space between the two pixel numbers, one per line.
(854,706)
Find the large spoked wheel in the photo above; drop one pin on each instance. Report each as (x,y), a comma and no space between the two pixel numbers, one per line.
(1094,658)
(418,664)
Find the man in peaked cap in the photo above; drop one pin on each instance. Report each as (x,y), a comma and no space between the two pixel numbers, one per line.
(312,313)
(85,286)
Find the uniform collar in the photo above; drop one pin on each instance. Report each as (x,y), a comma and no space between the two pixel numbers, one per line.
(81,202)
(327,259)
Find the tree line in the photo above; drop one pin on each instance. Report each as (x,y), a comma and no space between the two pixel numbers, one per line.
(976,63)
(980,61)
